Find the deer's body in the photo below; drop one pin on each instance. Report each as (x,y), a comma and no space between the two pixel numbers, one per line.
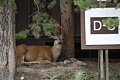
(38,54)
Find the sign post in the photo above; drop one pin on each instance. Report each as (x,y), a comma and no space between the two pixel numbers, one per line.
(100,65)
(96,36)
(107,64)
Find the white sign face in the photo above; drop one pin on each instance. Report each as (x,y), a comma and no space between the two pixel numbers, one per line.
(96,33)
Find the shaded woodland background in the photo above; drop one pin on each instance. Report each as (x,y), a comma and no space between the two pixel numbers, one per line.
(26,8)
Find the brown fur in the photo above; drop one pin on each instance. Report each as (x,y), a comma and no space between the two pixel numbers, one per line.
(39,54)
(33,53)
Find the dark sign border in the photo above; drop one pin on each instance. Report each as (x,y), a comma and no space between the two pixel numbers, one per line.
(83,41)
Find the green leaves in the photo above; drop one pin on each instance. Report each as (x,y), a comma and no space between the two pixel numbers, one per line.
(108,1)
(40,20)
(36,2)
(49,27)
(51,4)
(111,23)
(37,18)
(13,6)
(36,34)
(118,6)
(2,3)
(77,9)
(22,34)
(37,29)
(45,21)
(85,4)
(40,17)
(115,1)
(102,5)
(88,4)
(45,16)
(64,6)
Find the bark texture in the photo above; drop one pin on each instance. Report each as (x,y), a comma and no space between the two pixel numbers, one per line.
(7,51)
(68,29)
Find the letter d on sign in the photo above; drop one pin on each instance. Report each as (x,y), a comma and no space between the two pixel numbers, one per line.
(95,27)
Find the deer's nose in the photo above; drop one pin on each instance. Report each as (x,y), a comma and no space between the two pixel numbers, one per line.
(60,43)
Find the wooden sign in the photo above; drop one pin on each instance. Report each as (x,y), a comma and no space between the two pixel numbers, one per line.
(94,34)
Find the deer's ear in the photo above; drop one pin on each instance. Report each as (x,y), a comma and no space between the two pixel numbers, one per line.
(52,36)
(61,35)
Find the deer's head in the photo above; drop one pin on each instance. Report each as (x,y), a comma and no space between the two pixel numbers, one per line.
(58,39)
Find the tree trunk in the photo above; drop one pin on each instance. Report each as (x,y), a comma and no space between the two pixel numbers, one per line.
(7,51)
(68,29)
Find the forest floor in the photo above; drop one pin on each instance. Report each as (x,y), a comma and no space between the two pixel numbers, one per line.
(72,69)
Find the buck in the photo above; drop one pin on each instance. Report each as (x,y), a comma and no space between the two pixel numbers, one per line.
(39,54)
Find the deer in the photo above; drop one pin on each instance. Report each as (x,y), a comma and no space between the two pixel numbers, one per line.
(39,54)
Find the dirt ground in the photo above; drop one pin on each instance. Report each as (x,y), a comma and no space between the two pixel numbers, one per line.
(65,70)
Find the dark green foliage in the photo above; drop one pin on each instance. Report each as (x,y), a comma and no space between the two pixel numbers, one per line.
(36,2)
(37,18)
(37,29)
(31,25)
(118,6)
(45,21)
(2,3)
(85,4)
(42,5)
(49,27)
(115,1)
(77,9)
(64,6)
(102,5)
(111,23)
(52,4)
(22,34)
(12,5)
(36,34)
(108,1)
(41,20)
(88,4)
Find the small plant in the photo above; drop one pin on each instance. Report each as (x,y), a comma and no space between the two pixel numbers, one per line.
(91,75)
(67,74)
(80,75)
(53,77)
(114,75)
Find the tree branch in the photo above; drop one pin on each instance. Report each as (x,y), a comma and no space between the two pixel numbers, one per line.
(37,5)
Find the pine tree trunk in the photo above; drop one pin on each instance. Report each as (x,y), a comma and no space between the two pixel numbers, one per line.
(7,51)
(68,29)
